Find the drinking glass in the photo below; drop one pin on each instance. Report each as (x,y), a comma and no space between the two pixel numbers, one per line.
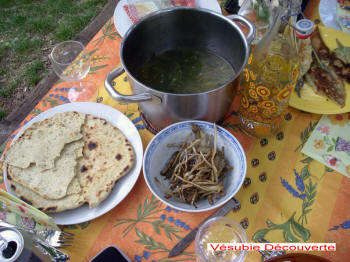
(220,230)
(71,62)
(260,12)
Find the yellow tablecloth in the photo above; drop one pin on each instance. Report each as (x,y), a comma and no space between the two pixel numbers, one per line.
(286,196)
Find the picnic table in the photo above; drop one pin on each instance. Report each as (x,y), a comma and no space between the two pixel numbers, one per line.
(271,205)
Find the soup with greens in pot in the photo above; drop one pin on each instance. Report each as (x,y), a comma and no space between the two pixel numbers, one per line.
(185,71)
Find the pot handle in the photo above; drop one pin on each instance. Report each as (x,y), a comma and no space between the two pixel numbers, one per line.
(251,34)
(120,97)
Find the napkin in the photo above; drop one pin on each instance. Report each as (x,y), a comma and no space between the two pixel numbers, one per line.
(329,143)
(16,212)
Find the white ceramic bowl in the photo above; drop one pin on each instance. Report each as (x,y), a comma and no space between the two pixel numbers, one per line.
(158,154)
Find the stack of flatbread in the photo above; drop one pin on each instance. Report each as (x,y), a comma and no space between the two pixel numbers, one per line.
(67,160)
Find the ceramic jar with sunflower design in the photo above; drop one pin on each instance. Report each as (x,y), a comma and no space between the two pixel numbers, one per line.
(269,77)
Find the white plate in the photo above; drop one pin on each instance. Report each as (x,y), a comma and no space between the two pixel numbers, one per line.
(328,13)
(122,21)
(123,186)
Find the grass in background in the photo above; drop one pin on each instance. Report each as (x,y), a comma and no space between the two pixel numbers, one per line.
(29,29)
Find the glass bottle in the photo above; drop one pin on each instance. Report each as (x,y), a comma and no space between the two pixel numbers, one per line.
(270,74)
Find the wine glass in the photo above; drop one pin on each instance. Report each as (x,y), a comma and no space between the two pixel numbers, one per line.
(260,13)
(71,62)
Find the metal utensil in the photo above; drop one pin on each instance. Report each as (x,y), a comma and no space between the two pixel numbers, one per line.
(45,248)
(186,241)
(54,238)
(269,254)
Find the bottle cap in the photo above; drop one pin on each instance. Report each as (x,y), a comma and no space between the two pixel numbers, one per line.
(304,28)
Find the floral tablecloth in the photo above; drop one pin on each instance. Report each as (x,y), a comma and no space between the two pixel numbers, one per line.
(286,197)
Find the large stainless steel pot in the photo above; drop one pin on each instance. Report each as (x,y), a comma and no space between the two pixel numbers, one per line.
(182,27)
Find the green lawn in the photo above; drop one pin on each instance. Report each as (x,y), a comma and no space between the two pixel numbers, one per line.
(28,31)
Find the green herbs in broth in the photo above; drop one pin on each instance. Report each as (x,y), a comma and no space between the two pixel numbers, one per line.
(185,71)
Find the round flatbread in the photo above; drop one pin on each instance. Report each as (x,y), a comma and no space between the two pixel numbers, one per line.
(51,183)
(107,156)
(46,205)
(43,141)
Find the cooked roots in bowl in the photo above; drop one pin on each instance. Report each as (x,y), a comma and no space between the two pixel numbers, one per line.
(197,169)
